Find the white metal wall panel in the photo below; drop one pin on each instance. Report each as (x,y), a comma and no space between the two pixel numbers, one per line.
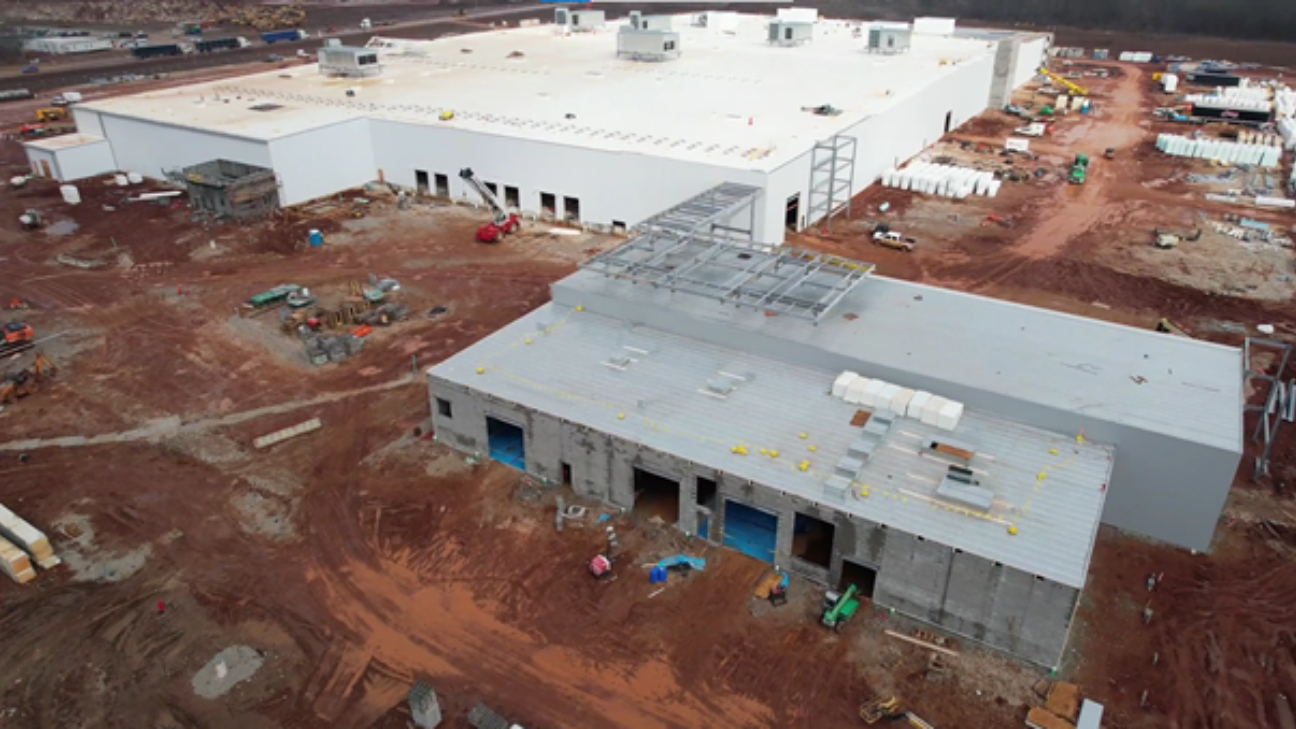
(87,121)
(36,156)
(611,186)
(149,147)
(323,161)
(85,160)
(1030,56)
(894,136)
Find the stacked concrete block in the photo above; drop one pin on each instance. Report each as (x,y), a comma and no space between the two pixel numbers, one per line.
(28,538)
(884,397)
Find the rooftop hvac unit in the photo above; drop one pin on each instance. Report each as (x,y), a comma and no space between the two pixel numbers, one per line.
(787,33)
(587,20)
(647,45)
(639,21)
(893,39)
(349,61)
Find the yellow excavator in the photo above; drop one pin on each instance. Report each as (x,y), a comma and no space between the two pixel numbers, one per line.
(26,381)
(1075,88)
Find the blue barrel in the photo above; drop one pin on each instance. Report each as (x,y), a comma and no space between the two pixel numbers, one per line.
(316,239)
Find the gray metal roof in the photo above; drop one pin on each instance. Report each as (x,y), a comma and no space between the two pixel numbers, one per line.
(966,346)
(665,391)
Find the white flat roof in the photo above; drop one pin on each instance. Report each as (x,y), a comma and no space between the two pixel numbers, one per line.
(731,98)
(64,141)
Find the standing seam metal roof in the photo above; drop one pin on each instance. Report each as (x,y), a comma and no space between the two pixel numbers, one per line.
(651,387)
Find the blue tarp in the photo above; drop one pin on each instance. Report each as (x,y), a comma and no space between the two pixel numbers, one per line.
(696,563)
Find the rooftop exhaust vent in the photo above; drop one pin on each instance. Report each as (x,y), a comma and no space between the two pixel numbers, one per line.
(349,61)
(722,388)
(618,361)
(648,38)
(961,487)
(790,33)
(889,39)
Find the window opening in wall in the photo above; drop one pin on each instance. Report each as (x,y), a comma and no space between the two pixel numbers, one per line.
(656,496)
(949,119)
(571,209)
(618,227)
(566,474)
(862,576)
(812,540)
(793,214)
(548,204)
(421,181)
(706,492)
(444,409)
(493,188)
(511,197)
(442,185)
(507,443)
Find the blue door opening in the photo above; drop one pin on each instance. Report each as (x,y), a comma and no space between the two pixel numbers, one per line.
(704,526)
(750,531)
(507,443)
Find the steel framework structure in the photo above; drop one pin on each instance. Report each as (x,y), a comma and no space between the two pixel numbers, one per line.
(832,172)
(1279,402)
(694,248)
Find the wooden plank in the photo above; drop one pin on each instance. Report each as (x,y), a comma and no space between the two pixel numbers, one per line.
(950,450)
(861,418)
(1064,700)
(1038,718)
(921,643)
(15,563)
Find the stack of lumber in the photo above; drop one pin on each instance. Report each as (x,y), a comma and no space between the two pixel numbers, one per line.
(27,537)
(14,562)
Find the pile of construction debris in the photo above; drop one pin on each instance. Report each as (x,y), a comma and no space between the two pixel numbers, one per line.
(1063,708)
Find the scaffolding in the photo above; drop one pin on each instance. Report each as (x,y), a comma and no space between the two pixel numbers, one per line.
(832,175)
(1279,404)
(695,248)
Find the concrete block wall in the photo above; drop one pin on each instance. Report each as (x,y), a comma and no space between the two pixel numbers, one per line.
(964,594)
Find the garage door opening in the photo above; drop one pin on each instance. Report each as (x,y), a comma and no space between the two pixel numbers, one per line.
(656,496)
(812,540)
(750,531)
(949,120)
(421,181)
(863,577)
(507,443)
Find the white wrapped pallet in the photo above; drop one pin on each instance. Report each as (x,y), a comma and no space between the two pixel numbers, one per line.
(882,401)
(842,382)
(854,394)
(900,403)
(917,403)
(949,416)
(869,397)
(1275,202)
(932,410)
(994,188)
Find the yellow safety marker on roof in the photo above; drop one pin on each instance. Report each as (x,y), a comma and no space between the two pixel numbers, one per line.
(740,450)
(620,416)
(813,448)
(764,451)
(803,436)
(773,454)
(481,370)
(1012,529)
(804,465)
(1080,437)
(527,340)
(580,308)
(1053,451)
(1040,476)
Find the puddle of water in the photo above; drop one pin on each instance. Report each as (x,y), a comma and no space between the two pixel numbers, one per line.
(62,227)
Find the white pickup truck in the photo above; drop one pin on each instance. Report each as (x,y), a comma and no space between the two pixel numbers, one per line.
(66,98)
(893,240)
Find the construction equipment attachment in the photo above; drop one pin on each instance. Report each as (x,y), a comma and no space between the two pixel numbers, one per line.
(839,608)
(1074,88)
(879,708)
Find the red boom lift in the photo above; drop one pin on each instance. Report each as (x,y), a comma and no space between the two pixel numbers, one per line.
(503,221)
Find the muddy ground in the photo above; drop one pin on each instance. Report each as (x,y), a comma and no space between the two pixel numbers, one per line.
(364,556)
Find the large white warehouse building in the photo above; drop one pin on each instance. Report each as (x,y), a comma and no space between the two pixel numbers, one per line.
(604,124)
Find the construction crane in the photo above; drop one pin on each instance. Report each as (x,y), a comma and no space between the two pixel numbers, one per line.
(1074,88)
(503,221)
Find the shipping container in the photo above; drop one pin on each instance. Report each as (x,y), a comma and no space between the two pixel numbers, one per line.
(219,44)
(283,35)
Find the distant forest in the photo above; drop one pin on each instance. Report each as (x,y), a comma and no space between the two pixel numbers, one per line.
(1240,19)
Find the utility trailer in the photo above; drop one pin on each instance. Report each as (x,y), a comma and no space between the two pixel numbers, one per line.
(158,51)
(220,44)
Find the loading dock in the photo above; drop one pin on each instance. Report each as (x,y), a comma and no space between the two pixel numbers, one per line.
(507,443)
(656,495)
(812,540)
(862,576)
(750,530)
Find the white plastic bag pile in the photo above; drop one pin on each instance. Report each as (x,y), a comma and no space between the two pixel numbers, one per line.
(1214,149)
(943,180)
(882,396)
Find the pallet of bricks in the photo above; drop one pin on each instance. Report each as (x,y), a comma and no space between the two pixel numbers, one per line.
(20,545)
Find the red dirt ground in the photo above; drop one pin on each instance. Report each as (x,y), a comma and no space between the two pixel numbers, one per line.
(359,558)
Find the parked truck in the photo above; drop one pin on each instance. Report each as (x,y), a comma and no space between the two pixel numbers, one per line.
(67,98)
(16,95)
(158,51)
(220,44)
(283,35)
